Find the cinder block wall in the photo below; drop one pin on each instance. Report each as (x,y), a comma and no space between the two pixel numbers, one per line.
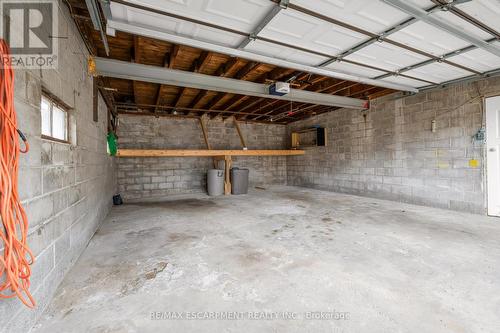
(390,152)
(66,188)
(155,177)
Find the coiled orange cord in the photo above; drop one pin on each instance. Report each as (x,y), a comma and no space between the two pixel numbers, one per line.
(17,258)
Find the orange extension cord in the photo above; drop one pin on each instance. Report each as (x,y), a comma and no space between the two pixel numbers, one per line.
(15,263)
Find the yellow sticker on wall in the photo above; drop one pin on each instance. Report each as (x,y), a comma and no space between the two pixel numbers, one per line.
(473,163)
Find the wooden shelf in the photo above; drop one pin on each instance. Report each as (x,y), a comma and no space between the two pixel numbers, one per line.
(319,139)
(203,153)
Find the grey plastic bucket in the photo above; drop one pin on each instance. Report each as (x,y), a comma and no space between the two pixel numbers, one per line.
(239,181)
(215,182)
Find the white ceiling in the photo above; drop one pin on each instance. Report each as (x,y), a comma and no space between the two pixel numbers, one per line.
(285,53)
(371,15)
(295,28)
(345,67)
(308,32)
(403,80)
(386,56)
(487,11)
(478,59)
(438,72)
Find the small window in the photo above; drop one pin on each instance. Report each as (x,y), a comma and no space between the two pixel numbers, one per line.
(54,120)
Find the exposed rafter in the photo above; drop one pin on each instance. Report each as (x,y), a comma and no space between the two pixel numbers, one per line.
(135,29)
(123,46)
(272,76)
(240,75)
(304,106)
(198,66)
(372,35)
(160,88)
(155,74)
(169,62)
(319,88)
(223,70)
(136,57)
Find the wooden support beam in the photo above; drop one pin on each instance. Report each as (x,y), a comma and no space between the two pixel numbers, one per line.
(300,76)
(345,86)
(169,62)
(236,100)
(222,72)
(238,129)
(227,179)
(205,137)
(247,69)
(321,87)
(202,61)
(198,66)
(273,75)
(166,64)
(205,133)
(213,102)
(136,57)
(173,56)
(198,98)
(278,73)
(240,75)
(137,49)
(365,91)
(380,93)
(290,73)
(224,69)
(203,152)
(179,96)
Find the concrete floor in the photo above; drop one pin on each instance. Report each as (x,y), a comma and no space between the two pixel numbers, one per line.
(272,257)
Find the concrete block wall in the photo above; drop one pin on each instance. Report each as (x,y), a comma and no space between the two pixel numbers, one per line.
(155,177)
(66,189)
(390,152)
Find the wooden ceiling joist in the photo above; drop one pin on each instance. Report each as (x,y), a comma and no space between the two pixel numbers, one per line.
(221,72)
(165,54)
(273,75)
(169,62)
(320,87)
(240,75)
(277,104)
(136,57)
(198,66)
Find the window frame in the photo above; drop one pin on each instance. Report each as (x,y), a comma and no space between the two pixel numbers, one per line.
(54,102)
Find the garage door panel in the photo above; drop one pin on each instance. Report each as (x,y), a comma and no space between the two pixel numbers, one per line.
(295,28)
(438,72)
(386,56)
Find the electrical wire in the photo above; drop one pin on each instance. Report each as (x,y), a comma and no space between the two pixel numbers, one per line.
(17,258)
